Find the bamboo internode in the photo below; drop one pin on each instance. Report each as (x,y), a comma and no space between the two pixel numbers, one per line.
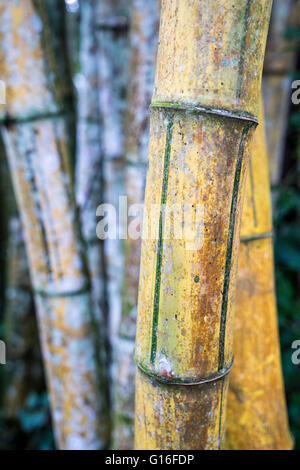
(203,115)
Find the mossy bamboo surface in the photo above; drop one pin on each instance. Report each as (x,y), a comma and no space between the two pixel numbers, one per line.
(279,64)
(35,132)
(143,46)
(256,408)
(203,115)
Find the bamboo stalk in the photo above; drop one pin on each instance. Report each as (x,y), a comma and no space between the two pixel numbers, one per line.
(256,410)
(35,133)
(112,36)
(23,371)
(88,114)
(112,58)
(280,62)
(113,18)
(143,45)
(89,185)
(203,115)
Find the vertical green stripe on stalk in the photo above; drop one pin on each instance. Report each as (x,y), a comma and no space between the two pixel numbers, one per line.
(160,238)
(252,193)
(243,49)
(230,244)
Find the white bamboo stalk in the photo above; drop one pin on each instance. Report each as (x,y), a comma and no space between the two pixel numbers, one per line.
(113,20)
(279,63)
(89,182)
(35,131)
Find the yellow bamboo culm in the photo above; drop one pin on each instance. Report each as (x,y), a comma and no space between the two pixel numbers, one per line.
(256,410)
(203,115)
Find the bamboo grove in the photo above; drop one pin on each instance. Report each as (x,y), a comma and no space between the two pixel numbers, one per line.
(166,339)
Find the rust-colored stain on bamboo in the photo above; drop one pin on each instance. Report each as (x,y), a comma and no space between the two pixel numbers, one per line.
(256,411)
(203,115)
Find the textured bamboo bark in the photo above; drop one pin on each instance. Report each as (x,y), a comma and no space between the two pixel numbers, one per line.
(112,25)
(89,183)
(256,408)
(203,115)
(143,43)
(279,63)
(35,130)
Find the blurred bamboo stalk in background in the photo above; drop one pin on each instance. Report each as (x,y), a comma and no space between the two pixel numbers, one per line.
(35,129)
(88,187)
(143,47)
(113,17)
(256,407)
(23,372)
(279,64)
(203,115)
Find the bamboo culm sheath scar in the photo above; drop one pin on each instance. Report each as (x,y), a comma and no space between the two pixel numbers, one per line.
(203,115)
